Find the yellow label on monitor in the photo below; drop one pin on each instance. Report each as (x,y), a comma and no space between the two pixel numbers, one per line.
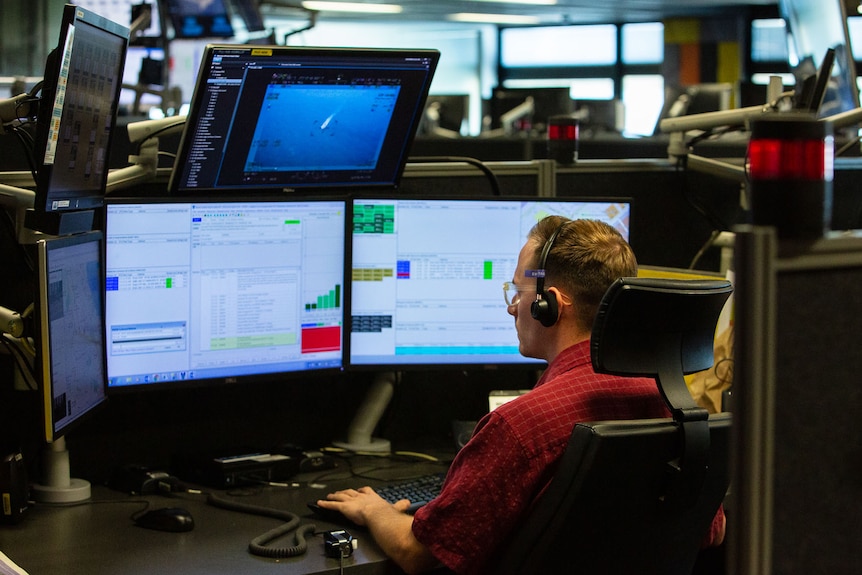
(261,52)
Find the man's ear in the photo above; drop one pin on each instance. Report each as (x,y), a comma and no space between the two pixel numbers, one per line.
(562,299)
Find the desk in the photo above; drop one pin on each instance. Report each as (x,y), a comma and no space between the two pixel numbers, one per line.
(99,538)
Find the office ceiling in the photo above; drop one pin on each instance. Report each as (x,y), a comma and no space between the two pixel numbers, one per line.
(564,11)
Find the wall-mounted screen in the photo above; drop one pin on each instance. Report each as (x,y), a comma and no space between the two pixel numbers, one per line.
(427,276)
(205,291)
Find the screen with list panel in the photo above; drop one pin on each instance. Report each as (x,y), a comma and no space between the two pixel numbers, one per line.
(427,276)
(213,292)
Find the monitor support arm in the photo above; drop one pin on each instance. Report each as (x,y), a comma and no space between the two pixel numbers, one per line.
(359,433)
(146,162)
(19,200)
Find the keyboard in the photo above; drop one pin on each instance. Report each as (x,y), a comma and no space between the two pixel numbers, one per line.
(419,490)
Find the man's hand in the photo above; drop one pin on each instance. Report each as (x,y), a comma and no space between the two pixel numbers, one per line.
(358,505)
(388,523)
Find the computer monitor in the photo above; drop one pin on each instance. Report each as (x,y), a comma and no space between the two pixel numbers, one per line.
(546,102)
(71,351)
(815,26)
(427,277)
(284,118)
(193,19)
(445,112)
(78,110)
(249,11)
(204,292)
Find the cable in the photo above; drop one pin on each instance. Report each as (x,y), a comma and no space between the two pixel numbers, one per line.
(702,250)
(258,545)
(492,179)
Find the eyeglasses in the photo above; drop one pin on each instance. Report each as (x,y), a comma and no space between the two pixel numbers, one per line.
(512,293)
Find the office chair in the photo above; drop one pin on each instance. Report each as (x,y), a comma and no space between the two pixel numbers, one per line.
(637,496)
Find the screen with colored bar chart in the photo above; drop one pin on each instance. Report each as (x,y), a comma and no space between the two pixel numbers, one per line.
(427,276)
(202,291)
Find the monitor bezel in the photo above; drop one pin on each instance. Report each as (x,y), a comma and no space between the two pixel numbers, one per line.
(94,197)
(286,376)
(176,186)
(44,372)
(523,364)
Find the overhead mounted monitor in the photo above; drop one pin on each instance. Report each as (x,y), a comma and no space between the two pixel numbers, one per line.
(249,11)
(80,97)
(199,18)
(427,276)
(814,27)
(210,292)
(283,118)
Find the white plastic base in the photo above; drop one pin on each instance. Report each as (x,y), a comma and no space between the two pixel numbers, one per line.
(78,490)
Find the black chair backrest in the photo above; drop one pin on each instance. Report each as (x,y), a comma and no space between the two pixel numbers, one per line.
(637,496)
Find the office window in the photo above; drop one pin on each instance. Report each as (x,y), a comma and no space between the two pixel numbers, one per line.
(643,43)
(643,98)
(547,46)
(768,40)
(593,89)
(854,26)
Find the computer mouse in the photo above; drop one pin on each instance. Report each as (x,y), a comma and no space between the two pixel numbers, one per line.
(174,519)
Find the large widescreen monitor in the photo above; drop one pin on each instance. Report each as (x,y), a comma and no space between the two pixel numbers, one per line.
(208,292)
(427,276)
(284,118)
(80,96)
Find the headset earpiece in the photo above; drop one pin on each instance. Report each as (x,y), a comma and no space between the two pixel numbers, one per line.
(545,309)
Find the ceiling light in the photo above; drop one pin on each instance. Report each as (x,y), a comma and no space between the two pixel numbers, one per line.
(531,2)
(352,7)
(494,18)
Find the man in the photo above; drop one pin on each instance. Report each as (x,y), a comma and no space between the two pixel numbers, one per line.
(515,449)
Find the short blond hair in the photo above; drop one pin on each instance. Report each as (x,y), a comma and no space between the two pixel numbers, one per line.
(587,256)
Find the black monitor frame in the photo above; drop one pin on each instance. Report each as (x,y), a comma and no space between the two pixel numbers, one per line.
(73,140)
(214,159)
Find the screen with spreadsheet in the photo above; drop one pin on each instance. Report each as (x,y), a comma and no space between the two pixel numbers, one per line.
(201,291)
(427,276)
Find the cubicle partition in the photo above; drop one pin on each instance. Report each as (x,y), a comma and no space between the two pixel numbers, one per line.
(797,400)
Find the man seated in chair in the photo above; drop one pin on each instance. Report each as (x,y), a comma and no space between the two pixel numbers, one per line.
(515,449)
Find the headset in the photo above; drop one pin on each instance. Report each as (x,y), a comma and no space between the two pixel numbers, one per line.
(544,309)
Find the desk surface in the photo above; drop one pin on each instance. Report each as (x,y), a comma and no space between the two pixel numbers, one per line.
(99,538)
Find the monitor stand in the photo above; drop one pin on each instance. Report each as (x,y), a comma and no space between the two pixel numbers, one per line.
(368,415)
(58,486)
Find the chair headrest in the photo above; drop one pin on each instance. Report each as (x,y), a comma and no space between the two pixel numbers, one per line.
(642,320)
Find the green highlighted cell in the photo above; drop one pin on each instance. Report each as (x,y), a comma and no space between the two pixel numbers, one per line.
(374,219)
(251,341)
